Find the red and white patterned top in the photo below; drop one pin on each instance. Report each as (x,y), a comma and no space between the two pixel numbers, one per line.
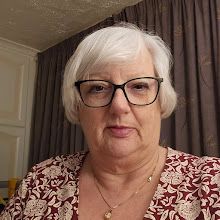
(189,188)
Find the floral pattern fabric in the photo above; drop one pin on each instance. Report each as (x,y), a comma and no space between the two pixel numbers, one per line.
(189,188)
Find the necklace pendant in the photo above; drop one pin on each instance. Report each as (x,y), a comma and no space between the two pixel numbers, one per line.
(149,179)
(108,215)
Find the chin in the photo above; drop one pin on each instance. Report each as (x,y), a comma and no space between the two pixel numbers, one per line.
(122,150)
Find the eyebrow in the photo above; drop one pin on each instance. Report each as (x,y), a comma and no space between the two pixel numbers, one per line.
(106,76)
(99,75)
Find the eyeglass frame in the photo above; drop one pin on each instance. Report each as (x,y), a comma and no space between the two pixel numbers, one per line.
(115,87)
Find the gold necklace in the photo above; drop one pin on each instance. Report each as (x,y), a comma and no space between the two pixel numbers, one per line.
(108,213)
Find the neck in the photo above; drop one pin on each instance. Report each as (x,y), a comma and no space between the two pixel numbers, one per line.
(123,171)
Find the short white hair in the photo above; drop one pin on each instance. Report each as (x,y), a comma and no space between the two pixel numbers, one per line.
(117,44)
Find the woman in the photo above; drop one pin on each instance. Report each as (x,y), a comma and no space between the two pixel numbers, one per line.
(117,87)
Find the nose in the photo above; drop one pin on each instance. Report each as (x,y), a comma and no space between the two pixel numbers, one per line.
(119,104)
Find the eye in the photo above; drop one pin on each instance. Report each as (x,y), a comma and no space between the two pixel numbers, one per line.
(96,89)
(140,86)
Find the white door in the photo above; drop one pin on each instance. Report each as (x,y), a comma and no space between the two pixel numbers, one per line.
(16,95)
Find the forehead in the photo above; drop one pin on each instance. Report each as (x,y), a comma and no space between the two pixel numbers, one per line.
(141,65)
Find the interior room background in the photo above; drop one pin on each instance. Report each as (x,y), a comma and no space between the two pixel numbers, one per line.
(192,31)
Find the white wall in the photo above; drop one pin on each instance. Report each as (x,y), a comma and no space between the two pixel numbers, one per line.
(17,77)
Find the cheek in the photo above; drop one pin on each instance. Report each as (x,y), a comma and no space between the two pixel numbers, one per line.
(91,122)
(150,121)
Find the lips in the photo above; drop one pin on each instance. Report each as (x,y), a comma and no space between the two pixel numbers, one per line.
(120,131)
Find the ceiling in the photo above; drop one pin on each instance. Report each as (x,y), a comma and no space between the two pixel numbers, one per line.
(40,24)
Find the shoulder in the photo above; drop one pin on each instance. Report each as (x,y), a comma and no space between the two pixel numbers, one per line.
(189,162)
(57,168)
(193,170)
(46,187)
(71,162)
(191,184)
(54,172)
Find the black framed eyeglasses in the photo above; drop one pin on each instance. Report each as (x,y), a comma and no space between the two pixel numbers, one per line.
(138,91)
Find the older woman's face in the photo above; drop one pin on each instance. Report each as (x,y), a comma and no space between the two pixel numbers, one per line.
(121,128)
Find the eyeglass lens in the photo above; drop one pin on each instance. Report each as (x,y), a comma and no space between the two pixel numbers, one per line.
(140,91)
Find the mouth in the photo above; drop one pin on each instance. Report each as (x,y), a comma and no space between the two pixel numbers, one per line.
(120,131)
